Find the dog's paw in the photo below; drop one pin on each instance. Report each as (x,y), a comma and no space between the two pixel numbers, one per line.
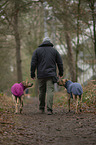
(15,112)
(76,112)
(68,111)
(20,110)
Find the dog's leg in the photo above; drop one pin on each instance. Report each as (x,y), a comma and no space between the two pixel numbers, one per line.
(14,100)
(80,103)
(16,107)
(21,103)
(77,98)
(69,102)
(74,99)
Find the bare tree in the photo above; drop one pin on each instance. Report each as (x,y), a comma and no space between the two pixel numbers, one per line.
(70,58)
(92,5)
(78,26)
(17,40)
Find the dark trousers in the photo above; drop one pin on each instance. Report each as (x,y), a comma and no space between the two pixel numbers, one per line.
(46,87)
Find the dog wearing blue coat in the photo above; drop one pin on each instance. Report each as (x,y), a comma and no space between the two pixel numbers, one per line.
(74,91)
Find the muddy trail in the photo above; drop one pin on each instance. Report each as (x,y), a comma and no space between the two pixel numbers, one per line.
(33,128)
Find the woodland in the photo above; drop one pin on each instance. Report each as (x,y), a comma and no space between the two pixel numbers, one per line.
(71,26)
(24,24)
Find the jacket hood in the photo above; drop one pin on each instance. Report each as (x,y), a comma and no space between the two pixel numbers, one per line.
(46,43)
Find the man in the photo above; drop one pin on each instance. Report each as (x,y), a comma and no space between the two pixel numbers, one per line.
(46,59)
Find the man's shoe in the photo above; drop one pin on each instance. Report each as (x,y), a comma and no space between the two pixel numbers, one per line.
(42,111)
(49,113)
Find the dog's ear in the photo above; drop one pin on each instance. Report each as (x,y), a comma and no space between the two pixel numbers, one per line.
(66,80)
(24,83)
(63,81)
(27,82)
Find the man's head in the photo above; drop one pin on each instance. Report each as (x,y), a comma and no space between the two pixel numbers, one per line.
(46,39)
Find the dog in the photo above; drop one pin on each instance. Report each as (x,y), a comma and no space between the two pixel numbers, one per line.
(17,91)
(74,91)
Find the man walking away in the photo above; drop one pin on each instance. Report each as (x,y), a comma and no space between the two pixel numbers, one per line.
(46,59)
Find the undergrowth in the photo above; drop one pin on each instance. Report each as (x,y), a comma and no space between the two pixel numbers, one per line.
(88,97)
(60,99)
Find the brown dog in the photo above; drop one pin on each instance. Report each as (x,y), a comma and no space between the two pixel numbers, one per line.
(74,91)
(18,93)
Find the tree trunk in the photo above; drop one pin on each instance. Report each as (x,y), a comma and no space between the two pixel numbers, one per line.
(17,40)
(70,58)
(92,7)
(94,24)
(77,49)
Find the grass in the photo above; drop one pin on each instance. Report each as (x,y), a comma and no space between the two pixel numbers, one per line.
(1,109)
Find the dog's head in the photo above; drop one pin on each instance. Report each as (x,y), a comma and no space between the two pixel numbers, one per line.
(26,84)
(62,82)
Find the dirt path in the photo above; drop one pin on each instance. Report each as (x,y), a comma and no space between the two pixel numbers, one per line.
(33,128)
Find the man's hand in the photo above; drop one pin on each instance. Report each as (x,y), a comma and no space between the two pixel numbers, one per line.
(60,77)
(33,78)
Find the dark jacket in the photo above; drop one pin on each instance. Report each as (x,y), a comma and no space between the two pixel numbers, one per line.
(45,58)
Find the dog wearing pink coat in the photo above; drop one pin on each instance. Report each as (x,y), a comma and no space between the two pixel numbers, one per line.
(17,91)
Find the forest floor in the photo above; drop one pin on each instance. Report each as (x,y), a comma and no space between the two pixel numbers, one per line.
(33,128)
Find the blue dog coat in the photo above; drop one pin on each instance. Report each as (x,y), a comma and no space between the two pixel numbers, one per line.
(74,88)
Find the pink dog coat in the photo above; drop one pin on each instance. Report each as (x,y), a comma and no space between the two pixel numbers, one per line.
(17,89)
